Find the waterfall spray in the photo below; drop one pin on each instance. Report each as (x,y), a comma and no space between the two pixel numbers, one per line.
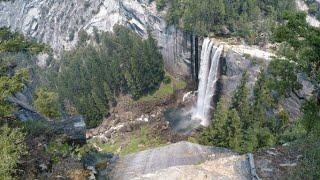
(208,76)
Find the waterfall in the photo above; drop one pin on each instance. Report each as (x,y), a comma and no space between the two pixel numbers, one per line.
(208,76)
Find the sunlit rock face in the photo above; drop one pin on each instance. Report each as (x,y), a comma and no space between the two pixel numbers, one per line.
(59,22)
(236,64)
(311,20)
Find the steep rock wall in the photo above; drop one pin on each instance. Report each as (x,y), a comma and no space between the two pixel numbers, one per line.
(236,64)
(59,22)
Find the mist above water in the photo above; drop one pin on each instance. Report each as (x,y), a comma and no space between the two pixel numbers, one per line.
(185,120)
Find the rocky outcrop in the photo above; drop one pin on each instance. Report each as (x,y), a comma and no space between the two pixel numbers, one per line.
(182,160)
(235,65)
(223,168)
(73,129)
(239,60)
(58,23)
(312,20)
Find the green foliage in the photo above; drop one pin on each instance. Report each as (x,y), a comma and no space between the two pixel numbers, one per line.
(283,118)
(311,117)
(234,130)
(313,8)
(245,126)
(246,18)
(15,42)
(141,140)
(46,103)
(283,76)
(167,80)
(309,165)
(295,131)
(13,79)
(8,86)
(11,148)
(34,128)
(240,101)
(266,138)
(165,90)
(58,150)
(160,4)
(216,133)
(302,44)
(92,77)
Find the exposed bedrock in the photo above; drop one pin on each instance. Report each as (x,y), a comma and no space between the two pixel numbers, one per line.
(183,160)
(59,22)
(236,64)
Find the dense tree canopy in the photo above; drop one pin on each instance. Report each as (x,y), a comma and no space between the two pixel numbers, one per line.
(91,77)
(246,18)
(243,124)
(12,80)
(16,42)
(46,103)
(302,44)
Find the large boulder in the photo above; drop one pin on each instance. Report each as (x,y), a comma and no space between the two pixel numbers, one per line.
(180,160)
(73,129)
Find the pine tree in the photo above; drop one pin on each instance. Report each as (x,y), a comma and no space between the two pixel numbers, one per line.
(250,140)
(216,134)
(240,102)
(9,85)
(234,130)
(46,102)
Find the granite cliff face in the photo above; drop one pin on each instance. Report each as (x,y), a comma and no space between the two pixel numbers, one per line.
(236,64)
(183,160)
(59,22)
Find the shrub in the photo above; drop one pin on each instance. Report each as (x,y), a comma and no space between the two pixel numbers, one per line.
(11,148)
(167,80)
(47,103)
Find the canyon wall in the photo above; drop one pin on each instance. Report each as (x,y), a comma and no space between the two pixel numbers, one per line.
(59,23)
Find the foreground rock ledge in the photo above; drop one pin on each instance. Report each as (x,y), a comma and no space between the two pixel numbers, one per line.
(183,160)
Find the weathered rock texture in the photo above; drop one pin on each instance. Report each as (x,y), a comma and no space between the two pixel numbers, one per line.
(182,160)
(59,22)
(239,60)
(302,6)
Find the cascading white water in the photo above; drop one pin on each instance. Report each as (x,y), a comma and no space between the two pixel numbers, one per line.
(208,76)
